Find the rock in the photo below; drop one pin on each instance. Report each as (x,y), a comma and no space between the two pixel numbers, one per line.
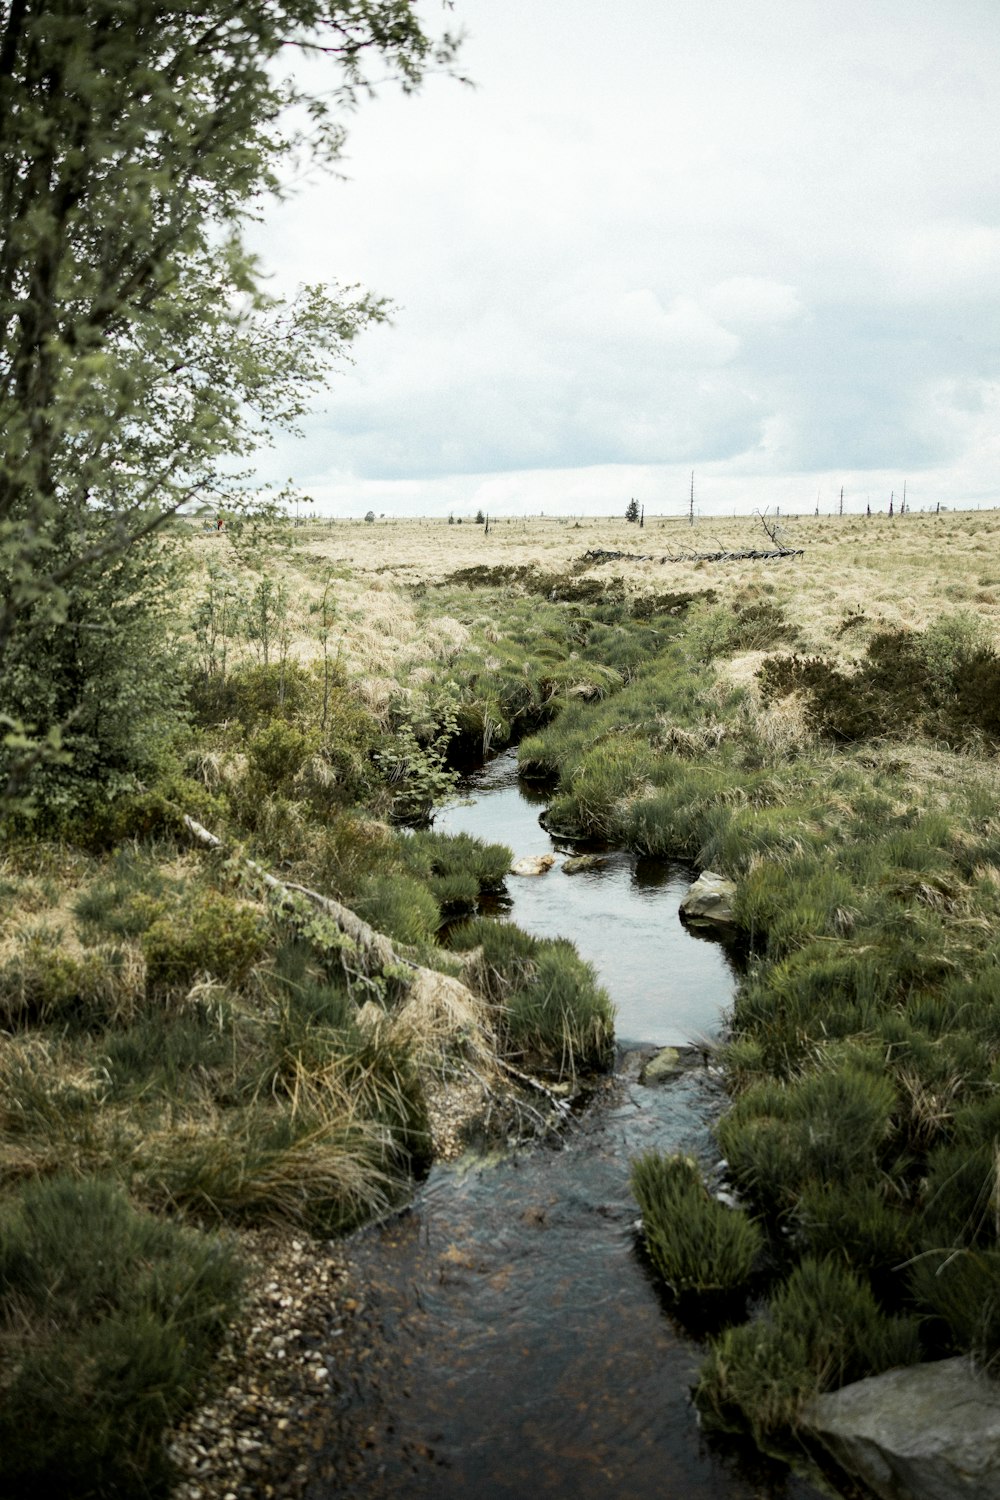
(666,1064)
(710,899)
(578,862)
(533,864)
(927,1432)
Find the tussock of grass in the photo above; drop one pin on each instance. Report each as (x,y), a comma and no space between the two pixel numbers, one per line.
(697,1245)
(549,1011)
(821,1329)
(108,1322)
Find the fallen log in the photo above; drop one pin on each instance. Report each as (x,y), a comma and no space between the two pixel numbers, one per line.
(426,987)
(750,554)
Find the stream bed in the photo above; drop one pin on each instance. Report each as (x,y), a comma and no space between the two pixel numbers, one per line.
(511,1341)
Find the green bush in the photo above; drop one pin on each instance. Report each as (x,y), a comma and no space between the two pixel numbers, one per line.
(695,1243)
(945,681)
(821,1330)
(213,934)
(276,754)
(255,694)
(399,906)
(108,1322)
(827,1126)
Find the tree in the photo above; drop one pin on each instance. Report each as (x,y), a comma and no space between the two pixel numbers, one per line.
(632,511)
(140,359)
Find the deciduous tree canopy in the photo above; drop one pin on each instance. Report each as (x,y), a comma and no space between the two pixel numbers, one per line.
(140,359)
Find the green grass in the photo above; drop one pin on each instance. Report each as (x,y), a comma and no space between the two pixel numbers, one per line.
(551,1014)
(109,1319)
(821,1329)
(696,1244)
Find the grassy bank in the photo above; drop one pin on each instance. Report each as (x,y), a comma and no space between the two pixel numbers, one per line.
(186,1051)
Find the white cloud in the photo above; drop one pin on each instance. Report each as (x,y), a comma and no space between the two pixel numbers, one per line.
(947,259)
(718,236)
(754,302)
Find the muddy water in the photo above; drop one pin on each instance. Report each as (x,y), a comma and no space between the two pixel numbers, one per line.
(510,1342)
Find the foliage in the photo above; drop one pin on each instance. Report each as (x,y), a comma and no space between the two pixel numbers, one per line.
(944,681)
(820,1330)
(695,1243)
(213,935)
(108,1322)
(140,359)
(416,766)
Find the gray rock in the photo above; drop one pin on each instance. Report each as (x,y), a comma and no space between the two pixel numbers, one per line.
(710,899)
(928,1432)
(666,1064)
(578,862)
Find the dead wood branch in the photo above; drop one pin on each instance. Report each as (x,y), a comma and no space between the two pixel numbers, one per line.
(749,554)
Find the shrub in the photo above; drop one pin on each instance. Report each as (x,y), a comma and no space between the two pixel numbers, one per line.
(108,1322)
(399,906)
(820,1330)
(255,694)
(695,1243)
(213,934)
(276,754)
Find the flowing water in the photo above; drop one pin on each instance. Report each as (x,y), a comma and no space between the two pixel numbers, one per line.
(511,1342)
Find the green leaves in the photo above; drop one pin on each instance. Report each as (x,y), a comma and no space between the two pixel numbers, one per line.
(141,360)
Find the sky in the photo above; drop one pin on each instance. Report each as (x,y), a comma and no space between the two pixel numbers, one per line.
(756,240)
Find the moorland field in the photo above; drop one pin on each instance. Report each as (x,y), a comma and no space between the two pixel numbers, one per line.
(282,1028)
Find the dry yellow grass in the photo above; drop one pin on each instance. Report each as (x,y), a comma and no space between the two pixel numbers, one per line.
(901,572)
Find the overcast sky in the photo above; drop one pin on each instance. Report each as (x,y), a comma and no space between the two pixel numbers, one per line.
(757,239)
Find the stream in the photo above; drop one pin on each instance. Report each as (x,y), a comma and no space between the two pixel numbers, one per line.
(511,1341)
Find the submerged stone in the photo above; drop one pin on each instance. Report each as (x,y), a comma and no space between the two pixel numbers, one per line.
(665,1064)
(927,1432)
(578,862)
(710,899)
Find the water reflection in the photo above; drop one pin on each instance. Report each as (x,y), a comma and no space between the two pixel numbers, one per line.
(669,986)
(511,1342)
